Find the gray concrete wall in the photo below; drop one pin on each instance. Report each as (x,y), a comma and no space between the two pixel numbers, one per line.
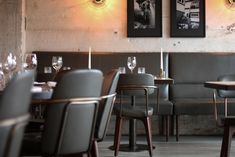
(11,27)
(74,25)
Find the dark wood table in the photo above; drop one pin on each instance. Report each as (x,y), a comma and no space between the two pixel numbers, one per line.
(229,121)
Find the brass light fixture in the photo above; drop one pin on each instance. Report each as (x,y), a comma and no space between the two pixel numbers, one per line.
(98,1)
(231,3)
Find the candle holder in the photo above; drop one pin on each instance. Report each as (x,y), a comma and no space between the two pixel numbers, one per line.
(162,73)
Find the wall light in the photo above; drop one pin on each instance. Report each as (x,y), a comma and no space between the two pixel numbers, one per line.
(231,3)
(98,1)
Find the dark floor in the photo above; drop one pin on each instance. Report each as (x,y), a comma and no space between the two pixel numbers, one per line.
(188,146)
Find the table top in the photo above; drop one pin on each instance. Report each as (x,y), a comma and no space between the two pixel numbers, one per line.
(224,85)
(163,81)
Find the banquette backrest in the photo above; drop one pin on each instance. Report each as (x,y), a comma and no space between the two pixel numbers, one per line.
(190,71)
(104,61)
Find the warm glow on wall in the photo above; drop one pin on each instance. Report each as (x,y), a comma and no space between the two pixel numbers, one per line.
(219,13)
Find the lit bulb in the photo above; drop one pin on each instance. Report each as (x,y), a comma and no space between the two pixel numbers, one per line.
(98,1)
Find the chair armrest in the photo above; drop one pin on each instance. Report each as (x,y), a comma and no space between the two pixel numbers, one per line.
(12,121)
(81,100)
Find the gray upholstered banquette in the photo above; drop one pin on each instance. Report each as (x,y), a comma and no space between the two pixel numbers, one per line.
(190,71)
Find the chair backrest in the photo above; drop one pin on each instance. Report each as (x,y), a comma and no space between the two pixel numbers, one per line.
(59,75)
(136,80)
(14,112)
(80,120)
(106,105)
(226,93)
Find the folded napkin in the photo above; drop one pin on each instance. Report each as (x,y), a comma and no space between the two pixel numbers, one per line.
(51,83)
(36,89)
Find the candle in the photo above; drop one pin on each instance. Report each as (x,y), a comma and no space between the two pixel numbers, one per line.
(89,58)
(161,59)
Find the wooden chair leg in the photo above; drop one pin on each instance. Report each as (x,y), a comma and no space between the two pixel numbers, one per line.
(94,150)
(167,127)
(177,127)
(172,124)
(226,143)
(117,135)
(147,123)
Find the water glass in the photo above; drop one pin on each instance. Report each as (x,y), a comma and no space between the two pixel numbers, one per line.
(141,70)
(122,70)
(2,78)
(47,70)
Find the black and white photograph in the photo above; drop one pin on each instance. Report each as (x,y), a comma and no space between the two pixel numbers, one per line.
(144,13)
(188,18)
(188,14)
(144,18)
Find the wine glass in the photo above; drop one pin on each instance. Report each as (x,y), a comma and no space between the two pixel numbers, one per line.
(30,61)
(131,63)
(9,65)
(57,63)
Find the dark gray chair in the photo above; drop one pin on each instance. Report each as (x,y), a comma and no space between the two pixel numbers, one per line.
(70,124)
(134,85)
(14,113)
(105,108)
(227,122)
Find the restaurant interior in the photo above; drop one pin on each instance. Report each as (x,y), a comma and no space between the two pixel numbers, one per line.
(135,78)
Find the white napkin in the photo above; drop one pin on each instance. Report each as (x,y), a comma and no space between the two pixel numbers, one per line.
(51,83)
(36,89)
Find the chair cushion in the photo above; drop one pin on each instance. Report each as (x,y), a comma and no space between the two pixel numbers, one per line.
(136,112)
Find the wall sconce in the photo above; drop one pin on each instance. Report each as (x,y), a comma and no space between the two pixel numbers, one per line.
(231,3)
(98,1)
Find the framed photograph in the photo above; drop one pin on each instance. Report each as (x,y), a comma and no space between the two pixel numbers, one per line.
(144,18)
(187,18)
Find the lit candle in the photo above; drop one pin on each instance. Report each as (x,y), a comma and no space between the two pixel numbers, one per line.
(89,58)
(161,59)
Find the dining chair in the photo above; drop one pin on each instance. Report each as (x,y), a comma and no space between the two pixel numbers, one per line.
(14,113)
(105,108)
(228,121)
(134,85)
(70,120)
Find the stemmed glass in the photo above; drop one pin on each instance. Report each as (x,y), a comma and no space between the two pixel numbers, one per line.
(9,65)
(30,61)
(57,63)
(131,63)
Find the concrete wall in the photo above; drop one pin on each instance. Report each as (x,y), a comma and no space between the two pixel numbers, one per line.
(11,27)
(74,25)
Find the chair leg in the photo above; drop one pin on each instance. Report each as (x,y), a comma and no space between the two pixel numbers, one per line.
(94,150)
(117,135)
(167,127)
(147,123)
(226,143)
(177,127)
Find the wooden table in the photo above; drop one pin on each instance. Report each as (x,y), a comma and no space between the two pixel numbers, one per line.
(229,121)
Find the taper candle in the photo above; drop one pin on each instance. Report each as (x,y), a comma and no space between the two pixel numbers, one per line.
(161,59)
(89,58)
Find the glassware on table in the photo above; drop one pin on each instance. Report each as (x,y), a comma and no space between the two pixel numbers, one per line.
(122,70)
(2,78)
(47,70)
(131,63)
(141,70)
(57,63)
(30,61)
(9,66)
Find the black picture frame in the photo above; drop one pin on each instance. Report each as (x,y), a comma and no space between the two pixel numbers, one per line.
(144,18)
(188,18)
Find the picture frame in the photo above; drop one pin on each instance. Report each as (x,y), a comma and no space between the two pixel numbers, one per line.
(188,18)
(144,18)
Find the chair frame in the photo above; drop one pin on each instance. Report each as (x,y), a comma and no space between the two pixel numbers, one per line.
(16,123)
(146,122)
